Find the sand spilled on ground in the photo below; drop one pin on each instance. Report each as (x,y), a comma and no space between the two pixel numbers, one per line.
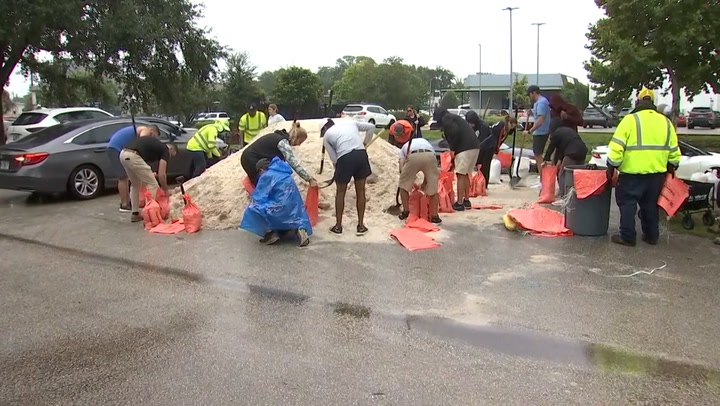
(222,199)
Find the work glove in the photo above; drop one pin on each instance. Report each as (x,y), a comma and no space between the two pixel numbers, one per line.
(671,169)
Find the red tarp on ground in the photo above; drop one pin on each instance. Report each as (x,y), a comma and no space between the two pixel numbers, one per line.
(413,239)
(540,221)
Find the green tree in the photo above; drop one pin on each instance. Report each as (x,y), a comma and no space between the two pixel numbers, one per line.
(268,81)
(638,44)
(298,88)
(449,101)
(63,83)
(331,75)
(520,86)
(359,82)
(576,93)
(400,84)
(240,89)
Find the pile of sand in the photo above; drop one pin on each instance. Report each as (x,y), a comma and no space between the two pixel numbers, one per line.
(222,199)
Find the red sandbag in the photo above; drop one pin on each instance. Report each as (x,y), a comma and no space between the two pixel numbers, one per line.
(505,159)
(163,200)
(423,225)
(143,192)
(413,239)
(312,204)
(673,195)
(414,205)
(446,161)
(445,194)
(424,207)
(588,183)
(152,215)
(548,174)
(191,216)
(477,184)
(247,184)
(540,221)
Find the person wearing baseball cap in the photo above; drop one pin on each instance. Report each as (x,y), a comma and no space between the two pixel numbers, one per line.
(541,126)
(644,149)
(251,123)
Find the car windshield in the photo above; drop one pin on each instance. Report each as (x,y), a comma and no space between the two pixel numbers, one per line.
(685,147)
(48,134)
(352,109)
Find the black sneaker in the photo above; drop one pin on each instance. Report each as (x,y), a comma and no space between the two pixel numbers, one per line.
(136,217)
(619,240)
(467,204)
(458,207)
(303,237)
(125,208)
(647,240)
(435,220)
(404,215)
(361,230)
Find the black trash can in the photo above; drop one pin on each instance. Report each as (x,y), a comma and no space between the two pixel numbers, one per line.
(588,217)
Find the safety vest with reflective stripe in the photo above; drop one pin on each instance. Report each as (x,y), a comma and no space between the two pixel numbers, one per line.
(205,140)
(251,126)
(644,143)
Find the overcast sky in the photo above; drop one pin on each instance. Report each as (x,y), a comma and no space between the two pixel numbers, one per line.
(313,33)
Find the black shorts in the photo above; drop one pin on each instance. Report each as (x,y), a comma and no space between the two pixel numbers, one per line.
(354,165)
(539,142)
(248,163)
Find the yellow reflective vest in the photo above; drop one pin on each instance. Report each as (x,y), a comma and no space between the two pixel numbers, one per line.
(205,140)
(251,126)
(643,143)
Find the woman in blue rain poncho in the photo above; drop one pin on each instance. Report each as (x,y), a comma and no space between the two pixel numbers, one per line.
(277,206)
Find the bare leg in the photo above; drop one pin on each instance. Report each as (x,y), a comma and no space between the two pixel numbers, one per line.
(124,191)
(340,202)
(405,200)
(360,193)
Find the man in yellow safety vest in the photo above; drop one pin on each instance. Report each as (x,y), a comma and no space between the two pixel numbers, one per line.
(643,149)
(250,124)
(203,146)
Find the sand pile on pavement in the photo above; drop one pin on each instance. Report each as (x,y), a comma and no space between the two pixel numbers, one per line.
(222,199)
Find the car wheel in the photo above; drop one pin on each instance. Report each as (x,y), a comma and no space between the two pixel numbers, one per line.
(372,121)
(690,127)
(391,123)
(85,182)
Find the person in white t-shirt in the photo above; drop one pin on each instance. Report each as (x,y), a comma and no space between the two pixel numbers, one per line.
(273,115)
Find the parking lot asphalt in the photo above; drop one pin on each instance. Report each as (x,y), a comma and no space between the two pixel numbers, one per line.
(98,311)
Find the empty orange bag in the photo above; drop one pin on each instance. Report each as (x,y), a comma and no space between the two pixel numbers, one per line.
(540,221)
(163,201)
(191,216)
(547,178)
(477,184)
(588,182)
(172,228)
(413,239)
(505,159)
(446,161)
(445,196)
(673,195)
(249,188)
(151,214)
(423,225)
(312,204)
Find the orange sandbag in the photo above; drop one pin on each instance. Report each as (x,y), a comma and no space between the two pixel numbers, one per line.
(143,192)
(163,200)
(312,204)
(477,184)
(173,228)
(505,159)
(249,188)
(413,239)
(540,221)
(673,195)
(446,161)
(152,215)
(414,205)
(445,195)
(588,183)
(548,174)
(486,207)
(424,207)
(423,225)
(191,216)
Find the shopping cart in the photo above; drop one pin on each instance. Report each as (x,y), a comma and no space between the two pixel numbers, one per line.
(700,199)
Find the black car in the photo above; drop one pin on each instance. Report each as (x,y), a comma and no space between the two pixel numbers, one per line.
(72,157)
(702,117)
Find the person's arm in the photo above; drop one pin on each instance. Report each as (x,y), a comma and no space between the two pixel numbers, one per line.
(286,150)
(421,121)
(551,148)
(674,157)
(212,142)
(332,154)
(162,174)
(369,131)
(619,140)
(242,126)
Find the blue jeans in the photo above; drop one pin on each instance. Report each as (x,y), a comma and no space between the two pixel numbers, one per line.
(197,163)
(639,190)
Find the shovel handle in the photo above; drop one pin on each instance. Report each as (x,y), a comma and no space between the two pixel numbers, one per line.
(181,180)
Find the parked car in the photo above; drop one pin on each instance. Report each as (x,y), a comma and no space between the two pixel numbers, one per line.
(594,117)
(624,112)
(36,120)
(369,113)
(693,159)
(71,158)
(702,117)
(682,120)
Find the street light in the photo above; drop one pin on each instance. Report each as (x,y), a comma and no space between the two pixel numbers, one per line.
(480,103)
(512,82)
(537,76)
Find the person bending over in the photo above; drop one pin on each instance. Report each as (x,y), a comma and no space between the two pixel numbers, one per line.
(568,147)
(117,142)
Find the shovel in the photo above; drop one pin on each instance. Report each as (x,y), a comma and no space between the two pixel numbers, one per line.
(180,180)
(395,209)
(515,179)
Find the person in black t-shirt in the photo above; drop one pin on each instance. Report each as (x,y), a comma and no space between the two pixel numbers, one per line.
(568,147)
(136,158)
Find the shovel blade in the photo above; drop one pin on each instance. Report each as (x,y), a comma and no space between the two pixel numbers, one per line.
(393,210)
(514,181)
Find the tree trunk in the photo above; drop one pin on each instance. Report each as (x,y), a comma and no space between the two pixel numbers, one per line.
(675,91)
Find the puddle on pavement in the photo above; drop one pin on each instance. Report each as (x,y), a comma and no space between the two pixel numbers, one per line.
(278,294)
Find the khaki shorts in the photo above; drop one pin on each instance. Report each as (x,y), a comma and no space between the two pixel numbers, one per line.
(465,161)
(424,162)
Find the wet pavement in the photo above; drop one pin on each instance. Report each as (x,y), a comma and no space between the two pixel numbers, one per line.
(97,311)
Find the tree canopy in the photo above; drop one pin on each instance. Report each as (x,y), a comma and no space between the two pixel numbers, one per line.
(641,43)
(576,93)
(298,88)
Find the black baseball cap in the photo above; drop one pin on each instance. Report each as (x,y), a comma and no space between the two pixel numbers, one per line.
(533,89)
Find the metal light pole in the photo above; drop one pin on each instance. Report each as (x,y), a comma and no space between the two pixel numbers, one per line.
(537,75)
(480,103)
(512,81)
